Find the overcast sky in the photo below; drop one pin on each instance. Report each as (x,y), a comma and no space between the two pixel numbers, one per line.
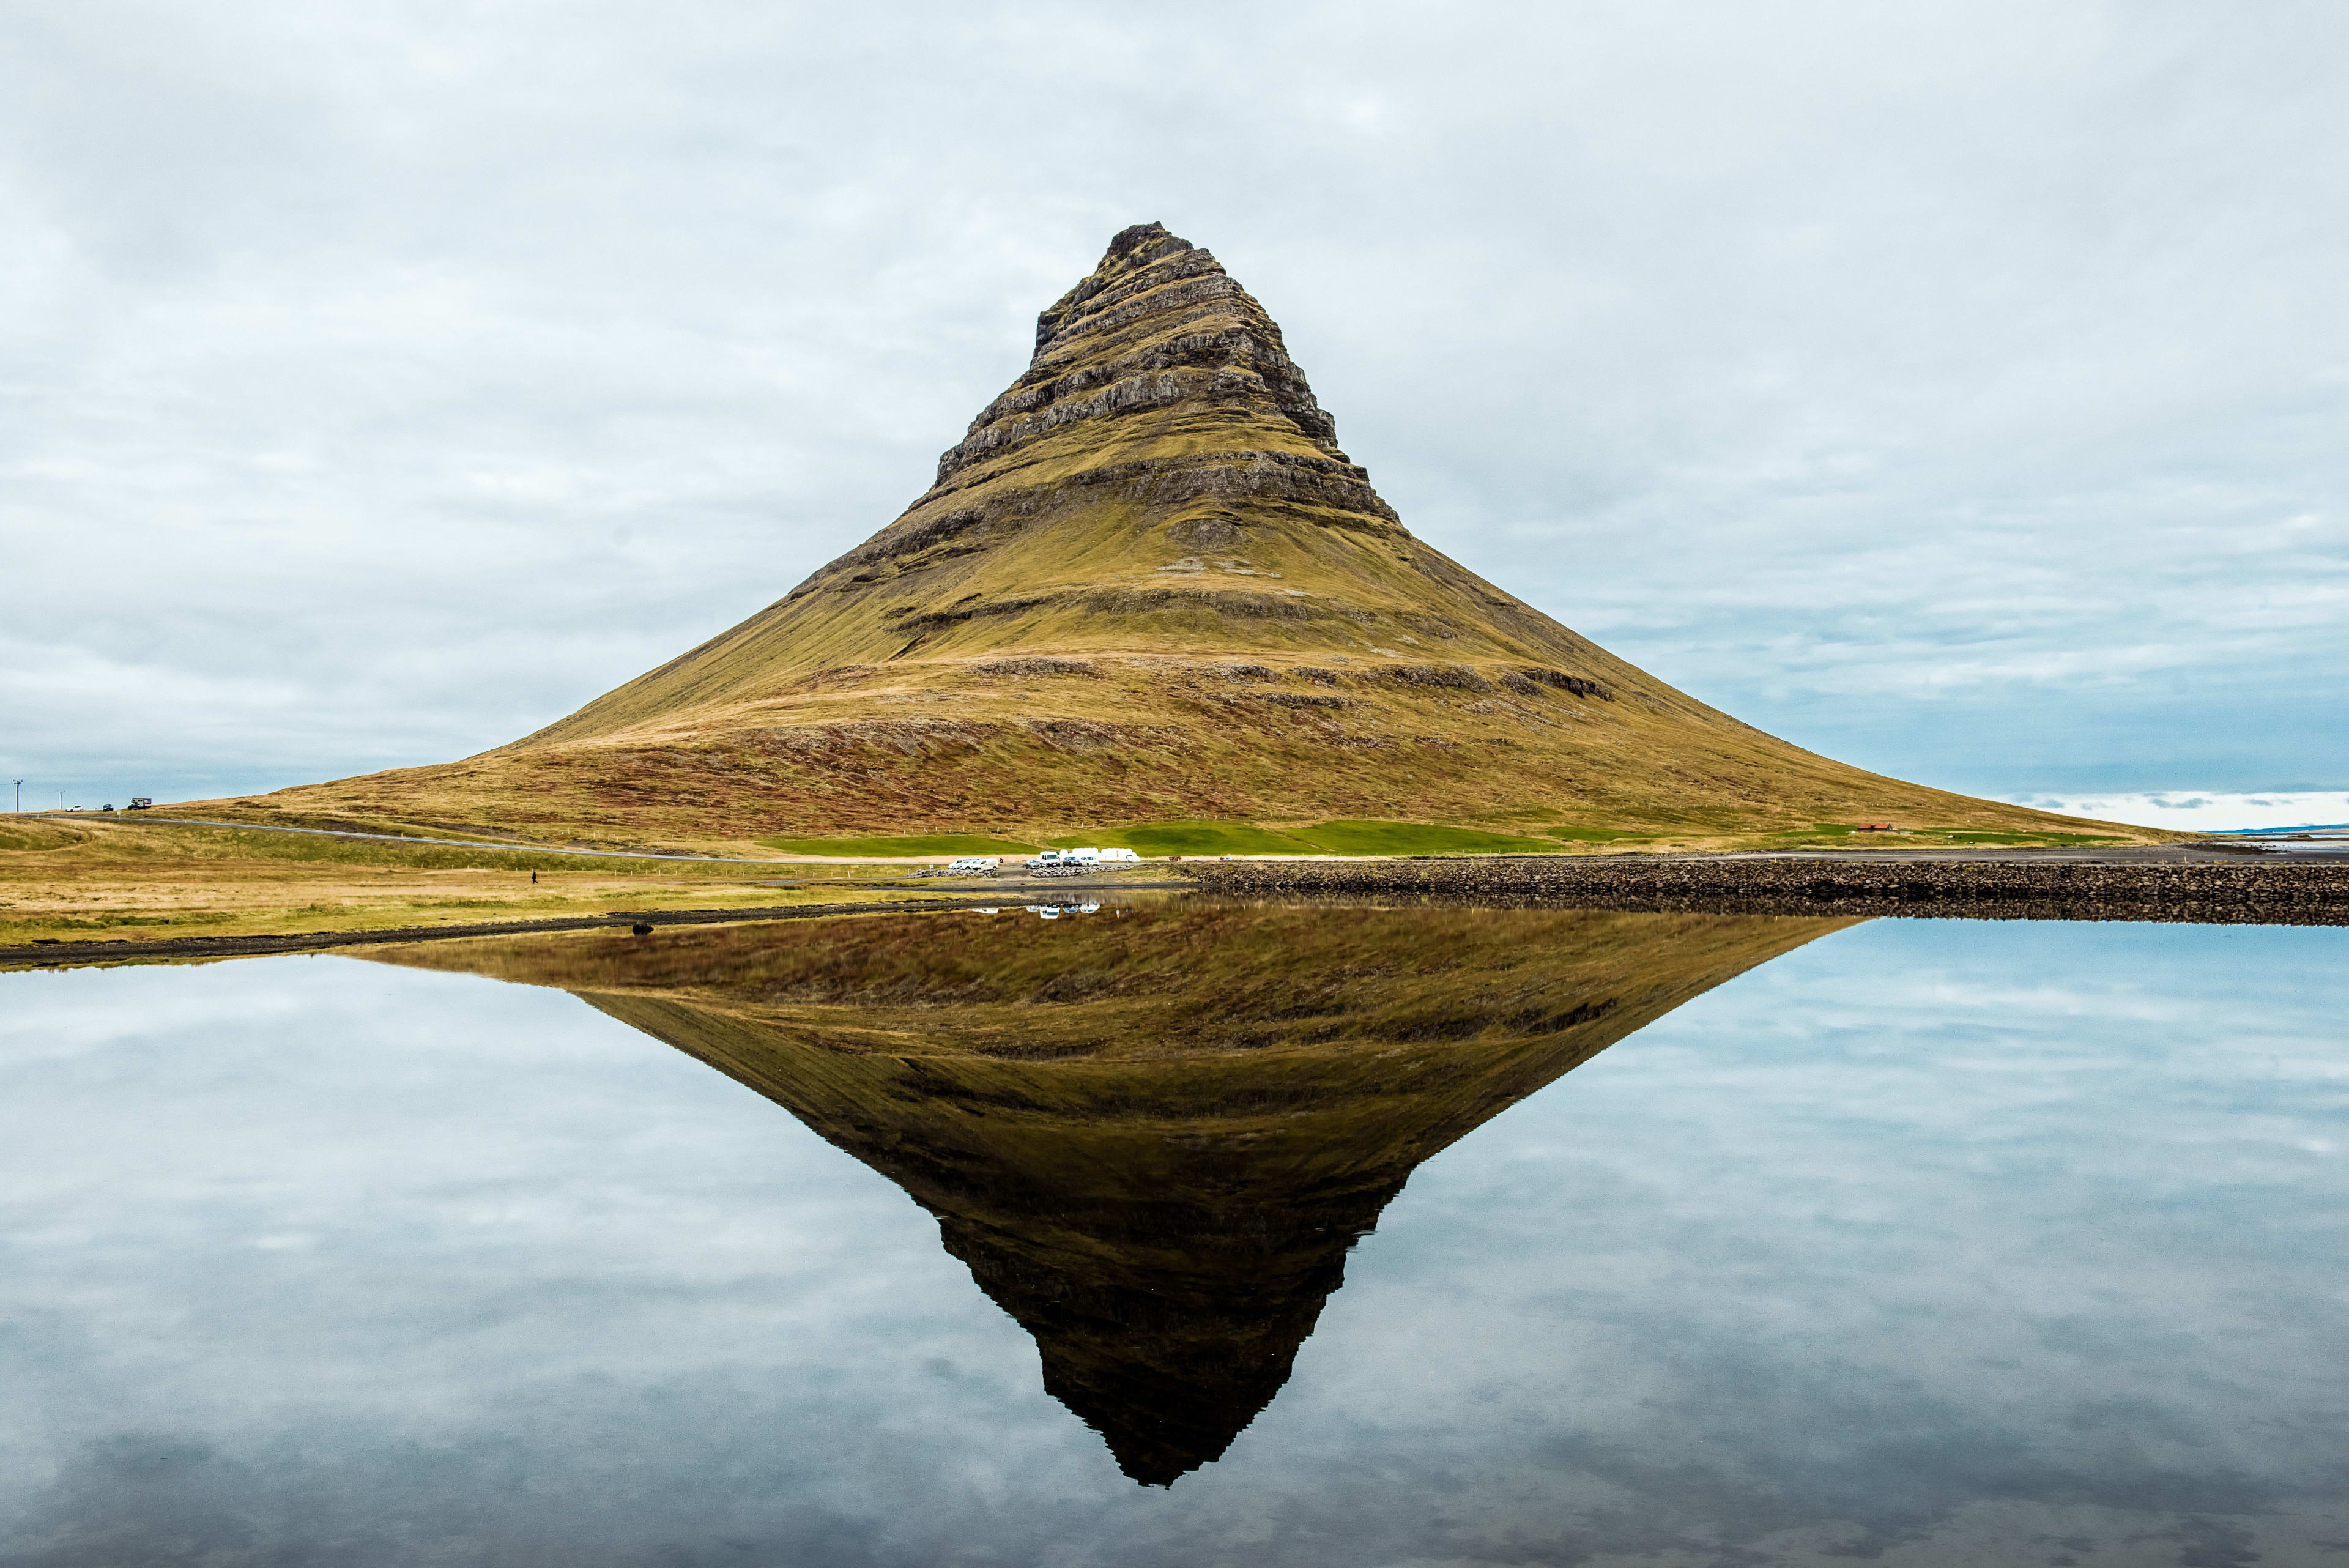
(1958,388)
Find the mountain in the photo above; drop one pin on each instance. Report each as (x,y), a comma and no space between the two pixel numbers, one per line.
(1152,1137)
(1146,585)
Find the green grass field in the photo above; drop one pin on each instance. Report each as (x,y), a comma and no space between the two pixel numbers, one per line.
(1345,838)
(1417,838)
(1341,837)
(1162,838)
(917,844)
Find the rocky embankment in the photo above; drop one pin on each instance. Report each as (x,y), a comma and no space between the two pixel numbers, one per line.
(2020,889)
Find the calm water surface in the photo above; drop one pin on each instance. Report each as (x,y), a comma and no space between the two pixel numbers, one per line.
(1908,1242)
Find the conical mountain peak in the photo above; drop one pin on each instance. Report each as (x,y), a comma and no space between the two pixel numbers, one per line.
(1157,325)
(1160,481)
(1145,583)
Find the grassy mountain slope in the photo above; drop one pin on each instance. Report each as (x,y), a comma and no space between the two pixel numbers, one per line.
(1147,584)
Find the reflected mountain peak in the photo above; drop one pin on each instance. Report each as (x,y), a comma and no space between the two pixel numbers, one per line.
(1152,1138)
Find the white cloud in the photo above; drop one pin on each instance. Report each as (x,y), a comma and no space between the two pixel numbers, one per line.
(1959,388)
(2198,812)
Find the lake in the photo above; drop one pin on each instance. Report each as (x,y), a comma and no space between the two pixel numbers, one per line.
(1186,1235)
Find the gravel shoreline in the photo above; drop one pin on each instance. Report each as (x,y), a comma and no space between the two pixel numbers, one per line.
(2208,893)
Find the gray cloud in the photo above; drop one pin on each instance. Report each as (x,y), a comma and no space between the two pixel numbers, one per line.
(1957,388)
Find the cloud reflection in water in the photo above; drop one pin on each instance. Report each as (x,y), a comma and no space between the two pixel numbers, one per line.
(1923,1236)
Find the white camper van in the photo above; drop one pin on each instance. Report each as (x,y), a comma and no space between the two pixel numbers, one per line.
(1070,861)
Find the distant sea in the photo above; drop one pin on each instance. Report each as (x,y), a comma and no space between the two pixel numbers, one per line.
(2332,827)
(2206,811)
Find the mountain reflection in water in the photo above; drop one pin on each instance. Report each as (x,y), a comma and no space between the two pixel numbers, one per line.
(1152,1134)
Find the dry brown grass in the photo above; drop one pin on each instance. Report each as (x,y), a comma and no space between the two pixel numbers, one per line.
(930,749)
(102,880)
